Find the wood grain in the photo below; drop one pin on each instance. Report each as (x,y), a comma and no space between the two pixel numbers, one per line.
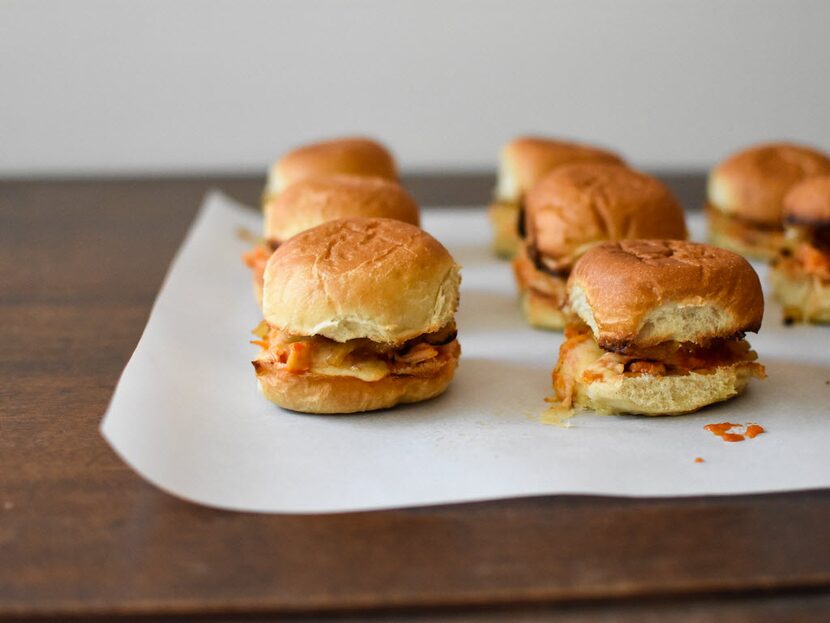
(81,535)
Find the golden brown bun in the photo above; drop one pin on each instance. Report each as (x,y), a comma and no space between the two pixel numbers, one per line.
(808,202)
(504,218)
(525,160)
(373,278)
(648,394)
(358,156)
(543,296)
(313,201)
(744,237)
(318,393)
(803,297)
(638,293)
(578,205)
(752,183)
(542,312)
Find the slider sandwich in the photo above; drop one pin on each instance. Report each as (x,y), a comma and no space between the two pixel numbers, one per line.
(574,208)
(658,328)
(355,156)
(314,201)
(746,191)
(524,161)
(359,315)
(801,272)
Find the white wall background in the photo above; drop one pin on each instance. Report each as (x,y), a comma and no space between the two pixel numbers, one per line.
(95,86)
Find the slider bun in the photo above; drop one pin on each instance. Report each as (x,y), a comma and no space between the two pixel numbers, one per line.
(542,311)
(313,201)
(372,278)
(803,297)
(751,184)
(742,237)
(808,202)
(359,156)
(525,160)
(662,395)
(639,293)
(318,393)
(579,205)
(504,218)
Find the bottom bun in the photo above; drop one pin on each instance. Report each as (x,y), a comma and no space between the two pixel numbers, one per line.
(646,394)
(740,236)
(663,395)
(504,218)
(319,393)
(542,311)
(804,298)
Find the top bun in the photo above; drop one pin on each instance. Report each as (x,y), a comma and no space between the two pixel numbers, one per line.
(372,278)
(751,184)
(313,201)
(808,203)
(359,156)
(525,160)
(640,293)
(578,205)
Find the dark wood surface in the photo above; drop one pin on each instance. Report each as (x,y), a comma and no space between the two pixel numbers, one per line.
(82,535)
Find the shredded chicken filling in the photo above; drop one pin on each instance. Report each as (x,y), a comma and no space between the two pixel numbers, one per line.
(580,352)
(423,356)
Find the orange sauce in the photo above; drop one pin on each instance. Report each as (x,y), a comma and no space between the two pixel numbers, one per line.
(725,431)
(698,459)
(753,430)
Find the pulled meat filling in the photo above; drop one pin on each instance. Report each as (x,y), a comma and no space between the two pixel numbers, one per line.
(540,282)
(668,358)
(422,356)
(258,256)
(753,233)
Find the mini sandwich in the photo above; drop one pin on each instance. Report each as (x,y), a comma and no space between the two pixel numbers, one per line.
(801,272)
(359,315)
(356,156)
(659,328)
(746,191)
(574,208)
(524,161)
(314,201)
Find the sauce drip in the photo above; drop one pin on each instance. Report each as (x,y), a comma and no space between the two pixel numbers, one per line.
(725,431)
(698,459)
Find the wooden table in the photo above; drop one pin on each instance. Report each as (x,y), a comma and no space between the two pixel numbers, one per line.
(82,535)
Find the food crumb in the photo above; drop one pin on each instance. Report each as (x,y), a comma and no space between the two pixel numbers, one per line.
(698,459)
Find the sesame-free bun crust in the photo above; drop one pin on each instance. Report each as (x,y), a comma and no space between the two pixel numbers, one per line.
(314,201)
(639,293)
(741,236)
(542,312)
(373,278)
(803,297)
(318,393)
(579,205)
(357,156)
(752,183)
(808,202)
(504,218)
(525,160)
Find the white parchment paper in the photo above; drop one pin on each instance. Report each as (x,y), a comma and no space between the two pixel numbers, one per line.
(187,415)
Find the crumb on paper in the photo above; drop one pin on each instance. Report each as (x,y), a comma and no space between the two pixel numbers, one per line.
(699,459)
(246,235)
(557,415)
